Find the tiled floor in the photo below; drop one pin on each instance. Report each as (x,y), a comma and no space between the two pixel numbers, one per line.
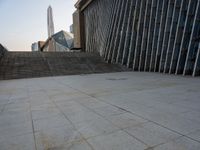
(113,111)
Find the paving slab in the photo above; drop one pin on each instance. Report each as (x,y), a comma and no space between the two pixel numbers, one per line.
(182,143)
(116,141)
(95,127)
(22,142)
(126,120)
(57,138)
(82,116)
(151,134)
(51,122)
(195,135)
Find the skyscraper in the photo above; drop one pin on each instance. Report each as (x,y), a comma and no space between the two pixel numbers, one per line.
(50,23)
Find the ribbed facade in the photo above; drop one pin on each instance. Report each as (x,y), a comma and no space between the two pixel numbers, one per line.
(96,22)
(146,35)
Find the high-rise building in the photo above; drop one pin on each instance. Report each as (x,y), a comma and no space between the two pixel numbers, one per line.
(50,24)
(71,28)
(35,47)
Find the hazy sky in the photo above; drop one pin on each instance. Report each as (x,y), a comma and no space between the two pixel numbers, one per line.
(23,22)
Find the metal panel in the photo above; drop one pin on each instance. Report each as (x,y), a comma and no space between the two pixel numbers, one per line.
(139,35)
(110,30)
(145,34)
(121,41)
(118,32)
(134,34)
(186,36)
(196,71)
(156,34)
(96,25)
(170,13)
(161,34)
(173,30)
(129,31)
(178,37)
(153,17)
(112,41)
(193,45)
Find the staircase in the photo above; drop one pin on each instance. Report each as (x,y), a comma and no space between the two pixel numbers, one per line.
(16,65)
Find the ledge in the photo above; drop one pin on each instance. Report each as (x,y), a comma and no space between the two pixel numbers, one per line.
(82,4)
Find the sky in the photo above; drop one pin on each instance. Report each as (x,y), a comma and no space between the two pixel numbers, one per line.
(24,22)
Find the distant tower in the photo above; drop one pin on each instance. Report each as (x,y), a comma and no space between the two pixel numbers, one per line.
(50,21)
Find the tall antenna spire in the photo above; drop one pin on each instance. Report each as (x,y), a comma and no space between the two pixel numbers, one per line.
(50,23)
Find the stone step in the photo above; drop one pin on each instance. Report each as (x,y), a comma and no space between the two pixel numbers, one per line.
(16,65)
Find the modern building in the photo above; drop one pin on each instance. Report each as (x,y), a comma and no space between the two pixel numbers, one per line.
(40,45)
(37,46)
(61,41)
(146,35)
(50,24)
(77,29)
(3,50)
(71,29)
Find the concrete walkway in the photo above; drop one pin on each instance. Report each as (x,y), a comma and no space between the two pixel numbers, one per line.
(113,111)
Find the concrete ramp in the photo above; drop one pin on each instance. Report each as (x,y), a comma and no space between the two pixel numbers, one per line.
(16,65)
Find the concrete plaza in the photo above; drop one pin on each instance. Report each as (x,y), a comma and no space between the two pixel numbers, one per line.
(111,111)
